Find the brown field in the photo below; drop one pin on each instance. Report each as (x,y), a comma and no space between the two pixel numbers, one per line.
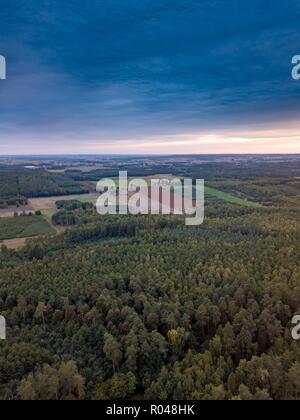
(14,243)
(9,211)
(49,202)
(90,186)
(176,204)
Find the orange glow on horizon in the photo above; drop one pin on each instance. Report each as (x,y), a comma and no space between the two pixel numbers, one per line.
(283,140)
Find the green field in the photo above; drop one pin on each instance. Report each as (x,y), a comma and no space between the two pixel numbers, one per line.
(87,198)
(229,198)
(24,226)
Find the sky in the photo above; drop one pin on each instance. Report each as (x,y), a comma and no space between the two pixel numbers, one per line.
(149,76)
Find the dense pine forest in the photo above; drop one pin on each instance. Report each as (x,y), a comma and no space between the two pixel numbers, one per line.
(144,307)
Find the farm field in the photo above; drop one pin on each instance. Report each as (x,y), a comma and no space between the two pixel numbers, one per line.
(48,203)
(23,227)
(10,211)
(15,244)
(56,171)
(229,198)
(146,178)
(209,191)
(85,168)
(14,231)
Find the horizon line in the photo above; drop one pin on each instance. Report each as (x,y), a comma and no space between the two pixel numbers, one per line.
(149,154)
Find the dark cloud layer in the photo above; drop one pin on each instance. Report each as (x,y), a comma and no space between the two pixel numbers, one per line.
(116,69)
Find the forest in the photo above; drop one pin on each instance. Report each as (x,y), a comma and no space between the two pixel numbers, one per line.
(209,168)
(121,307)
(16,186)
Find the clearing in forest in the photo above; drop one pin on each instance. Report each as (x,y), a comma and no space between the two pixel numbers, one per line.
(229,198)
(24,227)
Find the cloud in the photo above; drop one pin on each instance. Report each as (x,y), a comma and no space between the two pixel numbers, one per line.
(137,69)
